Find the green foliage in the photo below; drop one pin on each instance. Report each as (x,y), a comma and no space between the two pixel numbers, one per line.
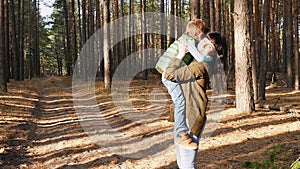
(268,163)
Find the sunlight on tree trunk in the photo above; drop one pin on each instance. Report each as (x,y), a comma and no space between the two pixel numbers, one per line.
(106,42)
(244,90)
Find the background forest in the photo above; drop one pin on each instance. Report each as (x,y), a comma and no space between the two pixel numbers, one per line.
(35,46)
(99,40)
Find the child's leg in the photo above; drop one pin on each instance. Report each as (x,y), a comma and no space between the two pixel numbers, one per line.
(175,91)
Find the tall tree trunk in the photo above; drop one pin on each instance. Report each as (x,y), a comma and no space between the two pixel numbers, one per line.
(218,20)
(130,39)
(6,41)
(106,44)
(123,42)
(264,55)
(84,39)
(257,38)
(296,41)
(144,40)
(163,40)
(16,51)
(172,24)
(68,56)
(289,43)
(206,12)
(36,48)
(74,33)
(116,35)
(21,40)
(195,9)
(231,57)
(273,50)
(253,11)
(79,23)
(3,84)
(212,15)
(278,36)
(227,34)
(244,92)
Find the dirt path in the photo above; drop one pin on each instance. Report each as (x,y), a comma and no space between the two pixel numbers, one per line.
(41,129)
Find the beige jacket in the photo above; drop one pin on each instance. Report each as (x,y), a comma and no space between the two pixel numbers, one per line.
(194,81)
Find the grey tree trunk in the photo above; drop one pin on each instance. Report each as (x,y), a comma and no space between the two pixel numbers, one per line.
(244,90)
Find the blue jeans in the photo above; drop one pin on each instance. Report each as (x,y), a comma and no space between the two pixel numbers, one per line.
(175,91)
(186,159)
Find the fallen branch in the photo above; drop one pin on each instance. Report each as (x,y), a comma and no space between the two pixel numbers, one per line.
(277,108)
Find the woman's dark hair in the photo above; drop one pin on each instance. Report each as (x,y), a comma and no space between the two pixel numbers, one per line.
(218,41)
(220,44)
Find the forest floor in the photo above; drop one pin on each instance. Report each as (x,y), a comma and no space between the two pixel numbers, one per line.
(40,128)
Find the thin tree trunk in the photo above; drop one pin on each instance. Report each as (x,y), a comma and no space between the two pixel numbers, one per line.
(163,40)
(36,49)
(244,92)
(212,15)
(218,17)
(289,44)
(116,35)
(84,39)
(257,32)
(106,42)
(172,24)
(3,84)
(6,41)
(144,39)
(123,44)
(68,56)
(195,9)
(74,33)
(21,40)
(273,50)
(16,51)
(253,48)
(231,42)
(296,42)
(264,55)
(206,12)
(79,23)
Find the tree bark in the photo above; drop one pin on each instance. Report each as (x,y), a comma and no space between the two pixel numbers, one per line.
(296,42)
(163,40)
(206,12)
(273,50)
(144,40)
(244,90)
(253,48)
(68,56)
(16,47)
(218,16)
(289,43)
(116,35)
(212,15)
(36,48)
(195,9)
(172,24)
(6,41)
(3,84)
(264,54)
(21,40)
(74,33)
(106,42)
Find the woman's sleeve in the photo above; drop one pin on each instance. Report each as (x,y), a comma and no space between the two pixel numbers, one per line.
(174,72)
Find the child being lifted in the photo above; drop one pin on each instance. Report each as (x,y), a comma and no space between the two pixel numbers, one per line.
(187,52)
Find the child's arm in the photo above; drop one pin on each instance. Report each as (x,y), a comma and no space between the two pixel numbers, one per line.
(196,54)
